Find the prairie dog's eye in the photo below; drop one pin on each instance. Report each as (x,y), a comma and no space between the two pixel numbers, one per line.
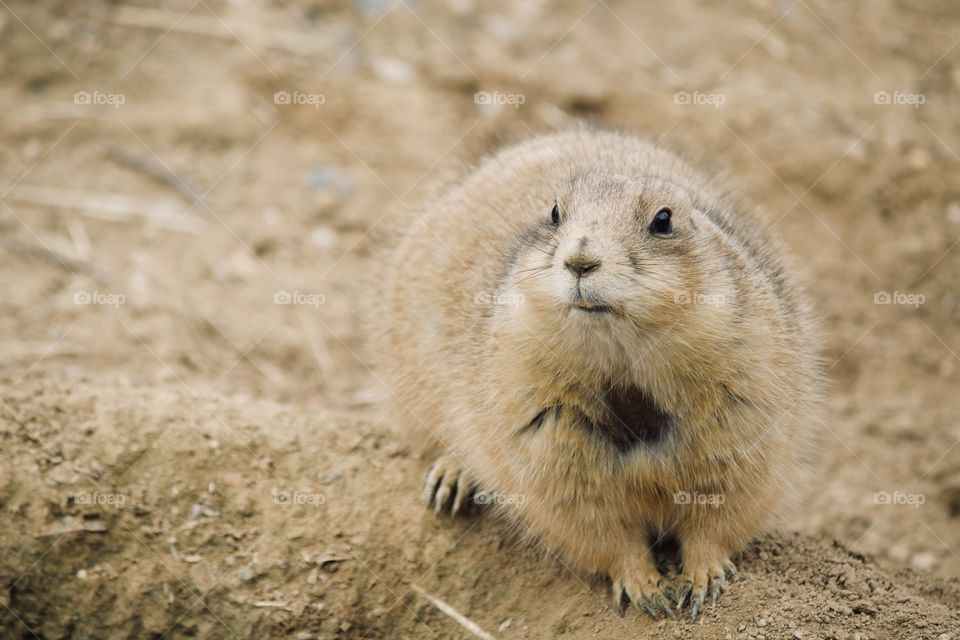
(555,214)
(661,221)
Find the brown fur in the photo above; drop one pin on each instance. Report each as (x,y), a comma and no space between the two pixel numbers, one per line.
(703,379)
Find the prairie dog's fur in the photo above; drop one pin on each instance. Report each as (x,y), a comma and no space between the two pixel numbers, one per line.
(605,382)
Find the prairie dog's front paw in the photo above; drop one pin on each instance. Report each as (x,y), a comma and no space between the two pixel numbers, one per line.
(447,481)
(704,580)
(639,582)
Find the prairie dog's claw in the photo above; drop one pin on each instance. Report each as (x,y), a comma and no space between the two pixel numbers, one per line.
(447,482)
(696,598)
(730,571)
(661,601)
(682,594)
(641,585)
(705,582)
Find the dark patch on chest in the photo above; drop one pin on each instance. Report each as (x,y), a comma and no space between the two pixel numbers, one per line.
(630,417)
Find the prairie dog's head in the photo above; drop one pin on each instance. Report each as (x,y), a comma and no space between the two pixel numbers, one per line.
(619,263)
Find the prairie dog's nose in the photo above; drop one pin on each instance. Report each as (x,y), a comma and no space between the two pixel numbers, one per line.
(580,264)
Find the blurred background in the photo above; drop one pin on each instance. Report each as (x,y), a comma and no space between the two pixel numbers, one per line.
(191,192)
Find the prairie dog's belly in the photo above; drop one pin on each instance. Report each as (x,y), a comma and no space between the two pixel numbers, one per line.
(578,496)
(584,447)
(563,468)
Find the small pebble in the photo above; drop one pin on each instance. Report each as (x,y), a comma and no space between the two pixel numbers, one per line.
(323,238)
(923,560)
(393,70)
(330,478)
(245,574)
(326,177)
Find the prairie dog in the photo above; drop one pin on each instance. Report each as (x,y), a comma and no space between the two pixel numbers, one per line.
(612,352)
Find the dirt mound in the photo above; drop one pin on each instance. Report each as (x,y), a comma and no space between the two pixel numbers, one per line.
(137,513)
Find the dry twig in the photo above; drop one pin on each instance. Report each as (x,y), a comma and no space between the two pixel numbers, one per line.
(461,619)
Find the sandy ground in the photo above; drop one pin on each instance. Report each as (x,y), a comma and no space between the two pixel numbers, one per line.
(191,196)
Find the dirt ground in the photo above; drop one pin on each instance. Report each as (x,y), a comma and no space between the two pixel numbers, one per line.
(192,193)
